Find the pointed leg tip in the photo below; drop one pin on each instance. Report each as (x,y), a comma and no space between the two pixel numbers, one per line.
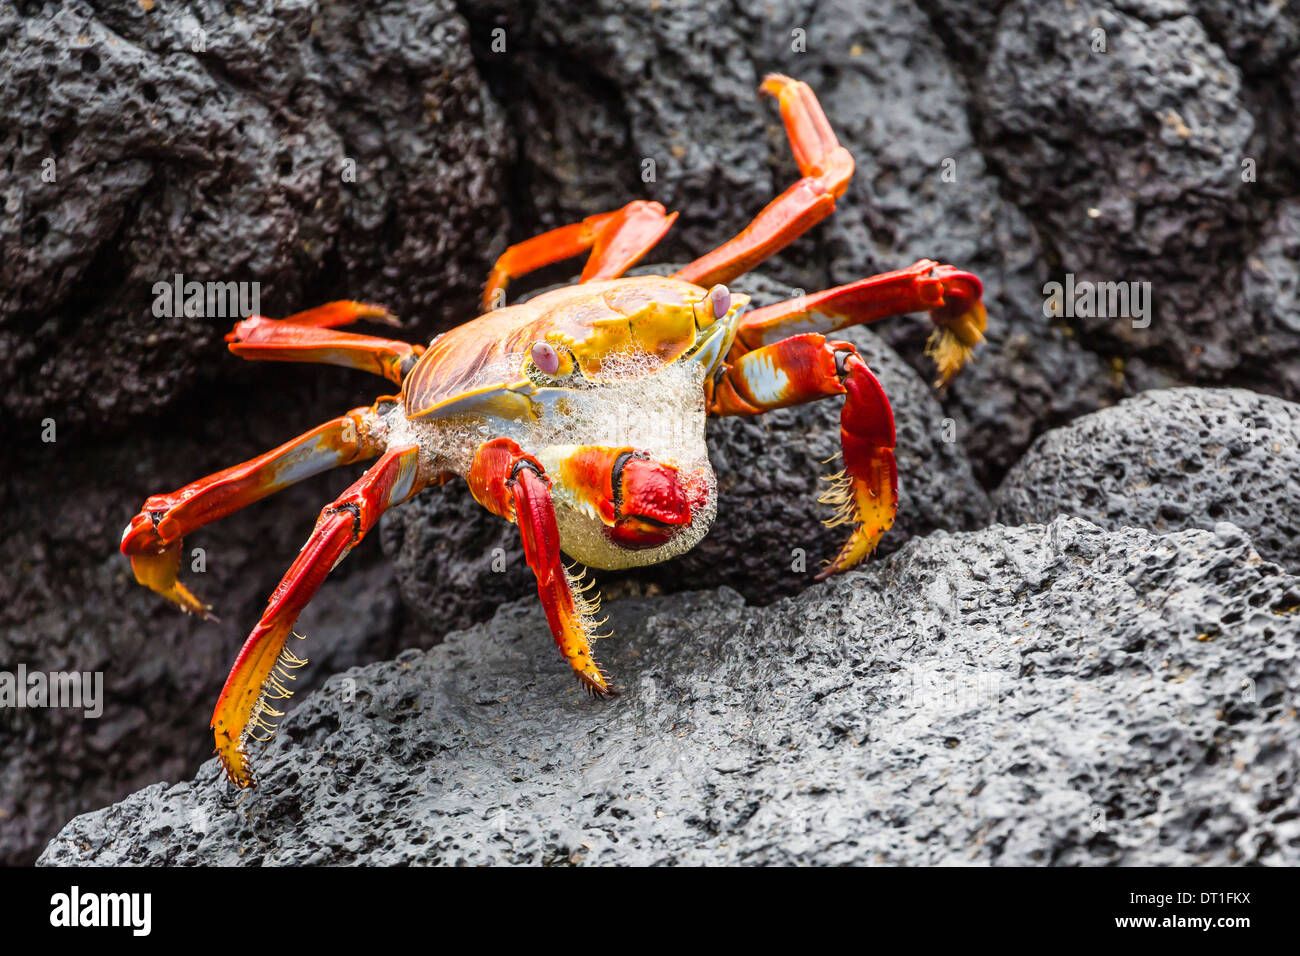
(774,83)
(234,762)
(597,685)
(379,313)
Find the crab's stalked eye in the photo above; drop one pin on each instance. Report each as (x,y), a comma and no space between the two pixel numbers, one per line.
(720,299)
(545,357)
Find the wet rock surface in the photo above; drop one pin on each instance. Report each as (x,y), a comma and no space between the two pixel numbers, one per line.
(1049,694)
(1168,460)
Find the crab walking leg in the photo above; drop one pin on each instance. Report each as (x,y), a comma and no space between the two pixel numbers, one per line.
(153,538)
(617,241)
(803,368)
(246,706)
(280,340)
(826,169)
(514,485)
(331,315)
(950,295)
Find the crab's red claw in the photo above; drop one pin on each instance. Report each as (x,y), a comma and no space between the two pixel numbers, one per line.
(865,493)
(514,485)
(651,502)
(803,368)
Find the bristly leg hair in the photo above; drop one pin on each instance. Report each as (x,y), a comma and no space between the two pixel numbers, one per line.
(840,496)
(264,717)
(585,603)
(949,353)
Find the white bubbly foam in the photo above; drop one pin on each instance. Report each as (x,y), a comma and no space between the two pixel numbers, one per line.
(641,403)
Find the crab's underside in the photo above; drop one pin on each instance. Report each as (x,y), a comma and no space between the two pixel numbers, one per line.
(578,415)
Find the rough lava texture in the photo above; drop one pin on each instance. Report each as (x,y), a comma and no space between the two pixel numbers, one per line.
(214,140)
(1130,137)
(456,563)
(68,602)
(1051,694)
(1168,460)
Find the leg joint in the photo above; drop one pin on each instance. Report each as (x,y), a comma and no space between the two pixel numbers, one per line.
(843,352)
(352,508)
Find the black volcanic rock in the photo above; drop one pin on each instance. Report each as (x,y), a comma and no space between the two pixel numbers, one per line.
(1039,695)
(229,162)
(1167,460)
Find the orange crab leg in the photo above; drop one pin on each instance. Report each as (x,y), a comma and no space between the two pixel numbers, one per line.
(153,538)
(826,169)
(286,341)
(246,707)
(512,484)
(951,296)
(331,315)
(806,367)
(617,241)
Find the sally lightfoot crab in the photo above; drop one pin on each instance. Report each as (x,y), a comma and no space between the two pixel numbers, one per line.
(578,415)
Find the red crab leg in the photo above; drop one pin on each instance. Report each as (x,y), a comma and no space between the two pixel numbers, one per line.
(826,167)
(259,678)
(331,315)
(153,538)
(617,241)
(285,341)
(803,368)
(514,485)
(951,296)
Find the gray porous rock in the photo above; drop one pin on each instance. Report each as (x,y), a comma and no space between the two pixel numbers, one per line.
(1171,459)
(457,562)
(222,163)
(1048,694)
(1126,134)
(68,602)
(213,140)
